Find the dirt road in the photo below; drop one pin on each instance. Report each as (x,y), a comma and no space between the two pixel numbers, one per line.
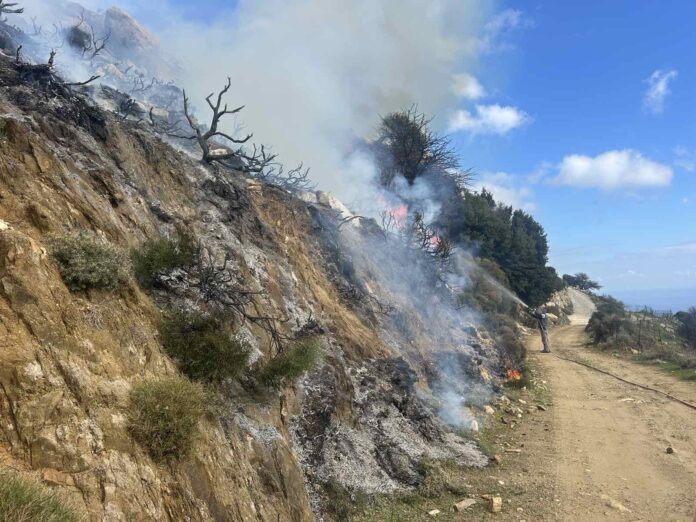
(609,457)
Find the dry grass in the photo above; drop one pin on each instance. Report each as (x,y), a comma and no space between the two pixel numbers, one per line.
(164,416)
(22,500)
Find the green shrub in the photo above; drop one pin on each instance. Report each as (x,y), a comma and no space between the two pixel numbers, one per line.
(611,323)
(291,363)
(23,500)
(86,262)
(164,416)
(203,347)
(687,326)
(157,257)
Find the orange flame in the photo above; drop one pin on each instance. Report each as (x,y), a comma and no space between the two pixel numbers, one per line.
(399,213)
(513,375)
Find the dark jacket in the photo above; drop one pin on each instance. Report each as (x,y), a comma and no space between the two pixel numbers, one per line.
(541,319)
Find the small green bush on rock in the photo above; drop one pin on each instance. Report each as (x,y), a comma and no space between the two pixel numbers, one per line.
(86,262)
(291,364)
(23,500)
(157,257)
(164,416)
(204,348)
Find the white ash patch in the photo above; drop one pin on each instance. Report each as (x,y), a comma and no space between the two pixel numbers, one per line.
(244,335)
(264,433)
(350,458)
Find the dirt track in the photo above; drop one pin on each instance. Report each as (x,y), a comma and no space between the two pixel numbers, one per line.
(608,455)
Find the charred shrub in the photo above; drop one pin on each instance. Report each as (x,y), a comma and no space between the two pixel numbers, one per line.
(78,38)
(291,364)
(164,415)
(203,346)
(158,257)
(23,501)
(85,262)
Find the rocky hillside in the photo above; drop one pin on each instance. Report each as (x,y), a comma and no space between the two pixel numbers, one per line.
(364,418)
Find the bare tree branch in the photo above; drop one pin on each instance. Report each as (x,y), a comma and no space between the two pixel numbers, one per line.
(253,162)
(10,7)
(86,82)
(86,40)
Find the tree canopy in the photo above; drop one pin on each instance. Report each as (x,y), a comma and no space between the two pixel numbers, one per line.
(582,281)
(512,238)
(407,146)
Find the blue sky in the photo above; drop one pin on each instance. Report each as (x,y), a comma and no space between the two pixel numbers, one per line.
(579,71)
(582,113)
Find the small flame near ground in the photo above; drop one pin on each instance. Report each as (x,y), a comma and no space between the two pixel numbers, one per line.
(513,375)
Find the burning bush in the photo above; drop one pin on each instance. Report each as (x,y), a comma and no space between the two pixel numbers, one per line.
(203,346)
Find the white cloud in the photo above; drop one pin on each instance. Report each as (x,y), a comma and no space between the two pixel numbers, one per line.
(684,248)
(658,90)
(488,119)
(497,31)
(468,87)
(611,170)
(505,189)
(686,159)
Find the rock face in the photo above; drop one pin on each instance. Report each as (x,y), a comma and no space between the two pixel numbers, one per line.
(69,360)
(559,307)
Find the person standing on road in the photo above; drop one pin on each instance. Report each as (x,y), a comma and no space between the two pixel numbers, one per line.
(542,322)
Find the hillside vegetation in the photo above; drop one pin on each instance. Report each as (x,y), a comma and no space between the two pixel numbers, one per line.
(664,338)
(189,332)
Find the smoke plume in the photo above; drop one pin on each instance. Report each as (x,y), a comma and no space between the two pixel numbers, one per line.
(316,75)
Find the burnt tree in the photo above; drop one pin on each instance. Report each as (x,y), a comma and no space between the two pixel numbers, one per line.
(252,162)
(407,145)
(83,38)
(10,8)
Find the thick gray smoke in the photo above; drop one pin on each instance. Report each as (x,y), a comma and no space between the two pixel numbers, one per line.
(315,75)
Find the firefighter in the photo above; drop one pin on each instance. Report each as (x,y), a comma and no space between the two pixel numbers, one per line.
(542,322)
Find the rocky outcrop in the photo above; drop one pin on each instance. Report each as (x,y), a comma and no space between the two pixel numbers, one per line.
(559,307)
(69,360)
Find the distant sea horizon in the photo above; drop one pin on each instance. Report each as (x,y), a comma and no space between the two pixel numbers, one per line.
(659,299)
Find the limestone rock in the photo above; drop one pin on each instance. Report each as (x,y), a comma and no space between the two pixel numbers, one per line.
(495,504)
(465,504)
